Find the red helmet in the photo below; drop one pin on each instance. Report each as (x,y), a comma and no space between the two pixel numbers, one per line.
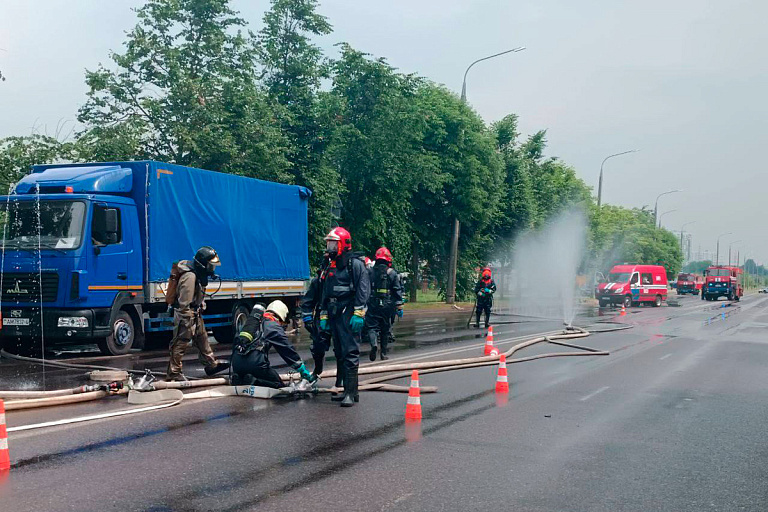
(486,273)
(338,241)
(384,254)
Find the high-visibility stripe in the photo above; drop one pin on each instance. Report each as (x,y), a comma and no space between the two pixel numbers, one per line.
(245,334)
(414,400)
(2,418)
(105,288)
(502,378)
(414,383)
(4,444)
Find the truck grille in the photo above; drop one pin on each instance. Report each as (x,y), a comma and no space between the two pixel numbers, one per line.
(25,287)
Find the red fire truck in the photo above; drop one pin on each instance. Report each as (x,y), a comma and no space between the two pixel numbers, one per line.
(722,281)
(689,283)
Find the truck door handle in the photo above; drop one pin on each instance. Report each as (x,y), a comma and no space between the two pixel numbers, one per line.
(122,275)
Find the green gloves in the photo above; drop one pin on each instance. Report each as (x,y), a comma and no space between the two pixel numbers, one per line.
(305,373)
(357,321)
(323,321)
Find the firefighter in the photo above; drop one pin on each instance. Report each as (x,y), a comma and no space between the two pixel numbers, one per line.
(385,302)
(188,309)
(345,294)
(310,310)
(263,331)
(484,289)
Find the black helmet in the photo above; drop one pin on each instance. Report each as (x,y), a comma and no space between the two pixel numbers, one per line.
(207,259)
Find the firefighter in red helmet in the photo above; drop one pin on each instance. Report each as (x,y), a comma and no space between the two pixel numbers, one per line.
(386,300)
(346,289)
(484,289)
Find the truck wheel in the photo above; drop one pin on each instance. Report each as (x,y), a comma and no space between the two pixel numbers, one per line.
(628,301)
(227,334)
(122,337)
(657,301)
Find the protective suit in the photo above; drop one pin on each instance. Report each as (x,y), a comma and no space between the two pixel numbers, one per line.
(484,290)
(385,302)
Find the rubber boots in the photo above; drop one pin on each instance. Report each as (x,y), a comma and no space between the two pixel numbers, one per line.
(220,366)
(374,349)
(319,360)
(350,388)
(339,381)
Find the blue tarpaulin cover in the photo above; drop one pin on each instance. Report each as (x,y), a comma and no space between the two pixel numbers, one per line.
(259,228)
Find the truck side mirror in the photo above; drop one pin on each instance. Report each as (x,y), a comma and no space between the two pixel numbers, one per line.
(111,225)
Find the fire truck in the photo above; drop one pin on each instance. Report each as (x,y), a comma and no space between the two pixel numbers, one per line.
(689,283)
(722,281)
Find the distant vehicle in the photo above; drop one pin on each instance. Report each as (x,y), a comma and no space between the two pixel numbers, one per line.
(632,285)
(722,281)
(689,283)
(762,290)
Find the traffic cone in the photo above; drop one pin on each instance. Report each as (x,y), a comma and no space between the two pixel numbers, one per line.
(413,405)
(623,310)
(5,458)
(502,383)
(488,342)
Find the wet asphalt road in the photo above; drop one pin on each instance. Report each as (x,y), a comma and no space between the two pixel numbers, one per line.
(672,420)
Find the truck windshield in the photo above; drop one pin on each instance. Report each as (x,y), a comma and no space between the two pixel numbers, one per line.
(719,272)
(618,277)
(60,227)
(684,277)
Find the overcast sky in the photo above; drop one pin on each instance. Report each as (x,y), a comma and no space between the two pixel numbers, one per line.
(684,81)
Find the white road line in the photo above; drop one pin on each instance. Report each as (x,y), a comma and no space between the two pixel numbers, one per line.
(585,398)
(664,357)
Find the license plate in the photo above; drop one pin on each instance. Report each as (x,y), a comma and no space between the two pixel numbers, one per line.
(15,321)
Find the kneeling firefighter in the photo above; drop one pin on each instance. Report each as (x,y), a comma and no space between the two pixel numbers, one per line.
(250,352)
(345,294)
(385,302)
(484,289)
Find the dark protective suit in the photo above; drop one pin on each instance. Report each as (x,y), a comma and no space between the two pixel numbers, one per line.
(250,355)
(346,289)
(321,340)
(188,322)
(484,299)
(386,296)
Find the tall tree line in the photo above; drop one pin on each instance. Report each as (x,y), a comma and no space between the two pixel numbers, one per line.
(393,157)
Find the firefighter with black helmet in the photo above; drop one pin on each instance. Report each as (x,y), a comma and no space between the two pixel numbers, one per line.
(386,300)
(484,289)
(188,306)
(346,290)
(264,330)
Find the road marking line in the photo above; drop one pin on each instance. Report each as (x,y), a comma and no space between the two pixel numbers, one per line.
(664,357)
(585,398)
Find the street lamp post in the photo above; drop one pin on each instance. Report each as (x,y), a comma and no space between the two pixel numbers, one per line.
(681,236)
(656,205)
(717,259)
(663,214)
(600,181)
(450,296)
(729,251)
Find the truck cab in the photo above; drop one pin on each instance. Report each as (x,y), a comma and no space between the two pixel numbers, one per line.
(722,281)
(632,285)
(69,255)
(689,283)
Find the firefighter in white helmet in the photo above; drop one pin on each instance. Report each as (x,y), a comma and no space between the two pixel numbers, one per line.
(263,331)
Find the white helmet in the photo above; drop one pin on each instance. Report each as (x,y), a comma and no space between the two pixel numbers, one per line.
(279,309)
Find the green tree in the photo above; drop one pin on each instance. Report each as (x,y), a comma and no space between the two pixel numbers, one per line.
(185,91)
(698,267)
(19,154)
(293,68)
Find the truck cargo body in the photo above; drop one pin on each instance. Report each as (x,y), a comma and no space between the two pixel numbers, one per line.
(94,244)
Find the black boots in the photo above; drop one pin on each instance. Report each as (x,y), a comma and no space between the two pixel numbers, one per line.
(372,354)
(350,388)
(319,360)
(339,381)
(220,366)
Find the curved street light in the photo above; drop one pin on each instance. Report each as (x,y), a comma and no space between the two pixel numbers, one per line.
(717,259)
(600,181)
(450,295)
(656,205)
(663,214)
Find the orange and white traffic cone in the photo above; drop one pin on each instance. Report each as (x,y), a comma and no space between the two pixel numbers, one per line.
(413,405)
(5,458)
(502,383)
(488,342)
(623,310)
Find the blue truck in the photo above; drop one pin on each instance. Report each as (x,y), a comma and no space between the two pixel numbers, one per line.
(87,250)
